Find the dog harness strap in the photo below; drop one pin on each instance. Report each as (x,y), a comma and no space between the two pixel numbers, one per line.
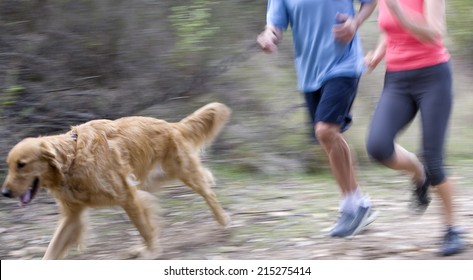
(73,135)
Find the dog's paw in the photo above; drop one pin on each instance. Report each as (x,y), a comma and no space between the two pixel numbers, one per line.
(144,253)
(226,220)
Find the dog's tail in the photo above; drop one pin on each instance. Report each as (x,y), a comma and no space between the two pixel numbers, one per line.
(202,126)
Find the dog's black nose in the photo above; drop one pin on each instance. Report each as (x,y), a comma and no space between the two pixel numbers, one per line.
(6,193)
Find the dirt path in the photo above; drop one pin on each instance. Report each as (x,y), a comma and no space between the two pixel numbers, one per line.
(276,218)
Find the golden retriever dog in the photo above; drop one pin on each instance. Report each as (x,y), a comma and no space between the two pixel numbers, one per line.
(105,163)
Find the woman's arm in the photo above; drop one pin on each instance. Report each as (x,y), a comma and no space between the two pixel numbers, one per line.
(428,31)
(373,58)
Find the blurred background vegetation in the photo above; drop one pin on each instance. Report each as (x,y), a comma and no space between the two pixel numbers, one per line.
(460,22)
(64,62)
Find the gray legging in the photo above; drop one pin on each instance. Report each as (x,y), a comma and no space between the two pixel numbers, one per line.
(406,92)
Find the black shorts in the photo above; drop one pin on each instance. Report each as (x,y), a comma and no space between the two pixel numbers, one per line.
(332,102)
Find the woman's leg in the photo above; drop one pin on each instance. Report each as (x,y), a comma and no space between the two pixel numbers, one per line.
(395,110)
(435,102)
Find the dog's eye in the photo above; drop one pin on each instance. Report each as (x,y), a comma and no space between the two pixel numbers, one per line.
(20,165)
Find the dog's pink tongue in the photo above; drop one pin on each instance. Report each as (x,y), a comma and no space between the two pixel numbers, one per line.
(25,198)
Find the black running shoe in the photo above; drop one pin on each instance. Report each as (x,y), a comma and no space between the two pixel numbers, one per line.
(452,242)
(421,197)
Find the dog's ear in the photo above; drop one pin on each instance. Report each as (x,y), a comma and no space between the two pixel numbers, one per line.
(49,153)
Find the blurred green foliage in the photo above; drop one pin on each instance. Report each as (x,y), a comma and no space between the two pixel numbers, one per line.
(460,23)
(193,26)
(11,94)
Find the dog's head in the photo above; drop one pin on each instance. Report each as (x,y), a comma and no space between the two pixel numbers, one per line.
(30,163)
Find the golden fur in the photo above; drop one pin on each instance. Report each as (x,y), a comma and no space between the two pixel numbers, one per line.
(115,163)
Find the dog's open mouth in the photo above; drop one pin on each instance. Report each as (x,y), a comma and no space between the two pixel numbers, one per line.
(26,197)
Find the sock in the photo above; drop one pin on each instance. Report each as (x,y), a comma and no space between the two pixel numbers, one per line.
(353,200)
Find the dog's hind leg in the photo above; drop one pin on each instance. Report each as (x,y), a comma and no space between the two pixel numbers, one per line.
(67,233)
(140,210)
(201,181)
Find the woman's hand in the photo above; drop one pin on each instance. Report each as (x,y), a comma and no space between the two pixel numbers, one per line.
(373,58)
(393,5)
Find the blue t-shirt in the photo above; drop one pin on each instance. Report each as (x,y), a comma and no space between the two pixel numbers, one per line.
(318,55)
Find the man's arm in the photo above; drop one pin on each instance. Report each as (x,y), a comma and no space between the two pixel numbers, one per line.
(366,9)
(270,38)
(345,31)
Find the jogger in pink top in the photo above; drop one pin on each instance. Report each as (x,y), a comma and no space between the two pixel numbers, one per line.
(418,78)
(406,50)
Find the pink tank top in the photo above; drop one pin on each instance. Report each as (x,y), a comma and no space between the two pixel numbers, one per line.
(404,51)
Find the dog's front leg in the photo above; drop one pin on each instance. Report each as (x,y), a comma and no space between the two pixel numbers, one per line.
(67,234)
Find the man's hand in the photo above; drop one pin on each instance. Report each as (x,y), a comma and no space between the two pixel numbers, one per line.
(269,39)
(346,28)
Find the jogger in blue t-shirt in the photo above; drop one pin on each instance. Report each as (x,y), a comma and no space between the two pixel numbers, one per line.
(328,60)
